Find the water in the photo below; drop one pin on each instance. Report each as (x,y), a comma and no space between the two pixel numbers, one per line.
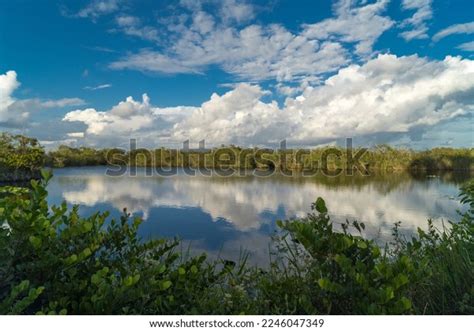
(221,216)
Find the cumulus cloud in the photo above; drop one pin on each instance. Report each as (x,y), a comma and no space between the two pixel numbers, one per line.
(361,25)
(127,116)
(416,24)
(14,112)
(127,119)
(8,84)
(237,116)
(465,28)
(387,94)
(254,52)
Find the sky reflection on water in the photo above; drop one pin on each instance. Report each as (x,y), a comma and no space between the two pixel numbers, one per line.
(223,215)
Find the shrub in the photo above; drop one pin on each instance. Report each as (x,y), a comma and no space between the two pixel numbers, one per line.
(54,261)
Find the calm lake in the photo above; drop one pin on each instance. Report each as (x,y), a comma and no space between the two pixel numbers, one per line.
(222,216)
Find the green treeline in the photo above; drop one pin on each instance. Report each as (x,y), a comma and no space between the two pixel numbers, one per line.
(21,158)
(54,261)
(384,158)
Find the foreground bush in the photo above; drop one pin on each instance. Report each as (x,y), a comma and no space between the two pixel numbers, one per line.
(52,261)
(319,270)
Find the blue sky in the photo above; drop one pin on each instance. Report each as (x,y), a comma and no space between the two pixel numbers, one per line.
(244,72)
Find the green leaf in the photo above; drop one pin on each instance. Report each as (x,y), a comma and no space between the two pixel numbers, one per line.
(406,303)
(35,241)
(39,290)
(95,279)
(71,259)
(137,221)
(389,293)
(128,281)
(166,285)
(162,269)
(46,174)
(362,244)
(86,252)
(400,280)
(320,206)
(324,283)
(87,226)
(136,278)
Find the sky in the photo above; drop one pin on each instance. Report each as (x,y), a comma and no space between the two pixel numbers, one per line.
(251,73)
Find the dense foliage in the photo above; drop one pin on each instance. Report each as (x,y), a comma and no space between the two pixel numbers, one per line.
(66,156)
(53,261)
(383,158)
(20,157)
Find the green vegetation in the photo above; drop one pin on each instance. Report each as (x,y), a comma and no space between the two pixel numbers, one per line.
(66,156)
(380,158)
(21,158)
(53,261)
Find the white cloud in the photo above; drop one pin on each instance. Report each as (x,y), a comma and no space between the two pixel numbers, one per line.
(14,112)
(237,116)
(98,8)
(231,11)
(76,134)
(236,11)
(386,95)
(8,84)
(127,119)
(54,144)
(361,25)
(417,23)
(254,52)
(98,87)
(465,28)
(127,116)
(468,47)
(133,26)
(60,103)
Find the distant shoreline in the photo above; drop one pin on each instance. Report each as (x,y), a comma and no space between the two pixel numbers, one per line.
(384,158)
